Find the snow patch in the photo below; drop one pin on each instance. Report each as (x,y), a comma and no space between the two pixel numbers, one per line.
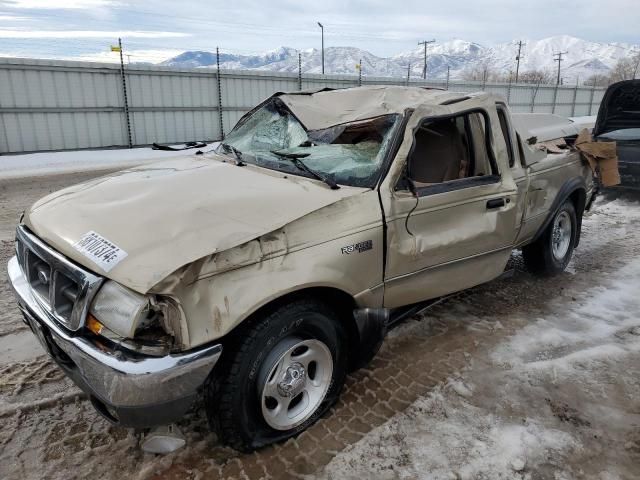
(51,163)
(601,325)
(441,438)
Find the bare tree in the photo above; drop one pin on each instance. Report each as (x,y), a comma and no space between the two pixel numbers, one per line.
(597,80)
(482,72)
(472,74)
(626,69)
(536,77)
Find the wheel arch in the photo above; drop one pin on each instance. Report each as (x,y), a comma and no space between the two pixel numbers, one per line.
(341,302)
(575,190)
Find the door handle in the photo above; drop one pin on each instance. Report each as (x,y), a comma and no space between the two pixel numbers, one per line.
(495,203)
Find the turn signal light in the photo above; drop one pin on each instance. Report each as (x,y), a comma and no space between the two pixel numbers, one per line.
(94,325)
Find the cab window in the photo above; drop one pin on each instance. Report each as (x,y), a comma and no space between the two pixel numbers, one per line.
(452,152)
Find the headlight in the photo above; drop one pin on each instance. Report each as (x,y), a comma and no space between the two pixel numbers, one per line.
(149,324)
(119,309)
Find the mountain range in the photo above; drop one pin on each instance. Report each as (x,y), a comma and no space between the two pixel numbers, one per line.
(583,59)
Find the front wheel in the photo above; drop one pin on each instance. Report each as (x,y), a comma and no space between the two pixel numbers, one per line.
(550,254)
(284,372)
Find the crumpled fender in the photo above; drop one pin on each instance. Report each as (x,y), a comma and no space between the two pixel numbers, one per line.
(339,246)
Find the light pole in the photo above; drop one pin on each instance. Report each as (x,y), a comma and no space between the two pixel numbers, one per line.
(322,31)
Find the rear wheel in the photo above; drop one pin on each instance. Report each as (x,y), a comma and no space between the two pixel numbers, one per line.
(284,372)
(551,253)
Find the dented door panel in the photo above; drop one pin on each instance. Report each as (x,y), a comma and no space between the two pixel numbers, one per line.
(454,228)
(439,280)
(449,226)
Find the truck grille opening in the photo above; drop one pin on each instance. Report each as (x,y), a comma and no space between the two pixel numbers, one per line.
(39,275)
(63,288)
(65,295)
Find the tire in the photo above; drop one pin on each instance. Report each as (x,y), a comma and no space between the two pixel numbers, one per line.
(550,254)
(282,373)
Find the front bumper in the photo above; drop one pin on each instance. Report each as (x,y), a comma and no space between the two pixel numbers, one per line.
(129,389)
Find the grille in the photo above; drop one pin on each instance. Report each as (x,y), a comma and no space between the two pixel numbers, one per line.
(62,288)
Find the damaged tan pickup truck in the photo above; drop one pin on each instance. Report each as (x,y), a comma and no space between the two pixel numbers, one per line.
(256,276)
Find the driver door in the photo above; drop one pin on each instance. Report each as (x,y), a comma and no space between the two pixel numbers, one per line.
(451,213)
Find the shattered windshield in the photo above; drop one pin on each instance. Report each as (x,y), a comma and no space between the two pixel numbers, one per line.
(349,154)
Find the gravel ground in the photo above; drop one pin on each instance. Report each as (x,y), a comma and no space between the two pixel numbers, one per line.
(493,383)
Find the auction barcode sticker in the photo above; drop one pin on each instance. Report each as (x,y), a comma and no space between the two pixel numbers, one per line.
(99,250)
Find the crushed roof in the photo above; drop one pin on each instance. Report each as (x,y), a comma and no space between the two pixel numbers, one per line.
(325,108)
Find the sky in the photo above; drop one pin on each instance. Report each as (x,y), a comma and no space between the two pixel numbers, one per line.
(154,30)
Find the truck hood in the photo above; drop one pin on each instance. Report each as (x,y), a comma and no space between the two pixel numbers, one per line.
(620,108)
(169,214)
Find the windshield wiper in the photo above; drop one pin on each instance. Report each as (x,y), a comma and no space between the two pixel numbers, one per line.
(237,153)
(295,159)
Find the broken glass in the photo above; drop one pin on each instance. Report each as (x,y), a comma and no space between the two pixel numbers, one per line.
(351,153)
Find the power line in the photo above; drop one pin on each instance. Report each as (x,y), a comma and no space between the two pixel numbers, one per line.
(424,69)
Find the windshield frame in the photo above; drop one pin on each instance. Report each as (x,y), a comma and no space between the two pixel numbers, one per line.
(372,181)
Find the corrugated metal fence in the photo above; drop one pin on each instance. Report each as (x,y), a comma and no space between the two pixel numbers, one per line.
(60,105)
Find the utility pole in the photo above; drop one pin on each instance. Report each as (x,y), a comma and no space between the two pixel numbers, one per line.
(424,69)
(557,57)
(408,73)
(575,96)
(124,93)
(448,72)
(360,73)
(220,117)
(322,32)
(519,57)
(299,71)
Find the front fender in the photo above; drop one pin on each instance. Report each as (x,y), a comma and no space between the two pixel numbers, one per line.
(215,304)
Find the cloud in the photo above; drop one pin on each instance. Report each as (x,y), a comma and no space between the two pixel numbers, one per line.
(12,18)
(152,56)
(379,26)
(59,4)
(11,33)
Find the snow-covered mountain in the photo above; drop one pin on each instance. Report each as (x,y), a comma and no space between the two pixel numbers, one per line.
(582,59)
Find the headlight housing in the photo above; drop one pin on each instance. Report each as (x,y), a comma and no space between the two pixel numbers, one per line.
(119,309)
(139,322)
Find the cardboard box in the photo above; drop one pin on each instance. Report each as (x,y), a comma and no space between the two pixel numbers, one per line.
(601,156)
(609,174)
